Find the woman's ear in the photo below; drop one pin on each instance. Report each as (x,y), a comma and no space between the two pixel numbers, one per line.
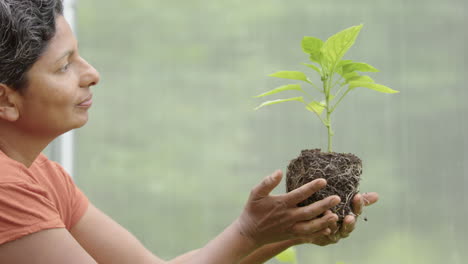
(8,107)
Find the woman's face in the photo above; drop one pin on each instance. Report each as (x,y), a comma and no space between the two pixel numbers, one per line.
(58,95)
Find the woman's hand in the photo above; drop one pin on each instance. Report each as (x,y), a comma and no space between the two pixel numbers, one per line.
(349,222)
(267,219)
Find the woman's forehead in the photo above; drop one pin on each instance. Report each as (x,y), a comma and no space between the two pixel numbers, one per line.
(63,42)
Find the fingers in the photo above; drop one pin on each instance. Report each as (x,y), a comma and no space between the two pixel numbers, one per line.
(361,200)
(331,234)
(305,191)
(267,185)
(358,203)
(319,238)
(320,207)
(317,225)
(349,223)
(334,226)
(370,198)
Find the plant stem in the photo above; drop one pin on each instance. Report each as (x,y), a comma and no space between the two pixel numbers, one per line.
(330,132)
(311,83)
(327,88)
(341,98)
(337,81)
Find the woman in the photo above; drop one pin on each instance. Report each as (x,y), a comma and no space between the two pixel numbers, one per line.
(45,218)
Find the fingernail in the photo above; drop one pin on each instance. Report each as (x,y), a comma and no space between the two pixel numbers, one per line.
(335,200)
(321,181)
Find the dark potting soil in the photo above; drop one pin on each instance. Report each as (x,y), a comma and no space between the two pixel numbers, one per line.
(342,172)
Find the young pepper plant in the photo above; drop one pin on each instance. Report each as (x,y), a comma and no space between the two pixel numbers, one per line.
(338,76)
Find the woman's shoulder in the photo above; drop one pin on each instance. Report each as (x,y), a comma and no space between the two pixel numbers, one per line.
(10,170)
(46,165)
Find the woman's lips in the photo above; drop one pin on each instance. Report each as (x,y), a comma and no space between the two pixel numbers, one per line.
(87,102)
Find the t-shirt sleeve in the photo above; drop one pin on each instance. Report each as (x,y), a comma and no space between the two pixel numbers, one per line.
(25,209)
(79,205)
(78,200)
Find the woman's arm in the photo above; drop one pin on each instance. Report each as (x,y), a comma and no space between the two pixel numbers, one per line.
(268,219)
(260,255)
(265,219)
(108,242)
(267,252)
(101,240)
(51,246)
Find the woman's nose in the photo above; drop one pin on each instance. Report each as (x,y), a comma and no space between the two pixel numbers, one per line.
(90,75)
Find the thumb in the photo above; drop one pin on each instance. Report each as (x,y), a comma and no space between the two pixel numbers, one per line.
(267,185)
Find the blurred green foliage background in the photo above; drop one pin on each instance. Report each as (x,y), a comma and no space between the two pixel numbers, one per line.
(173,145)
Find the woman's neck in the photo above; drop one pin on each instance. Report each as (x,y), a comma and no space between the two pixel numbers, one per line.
(20,146)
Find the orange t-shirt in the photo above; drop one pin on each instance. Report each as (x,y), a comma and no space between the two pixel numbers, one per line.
(40,197)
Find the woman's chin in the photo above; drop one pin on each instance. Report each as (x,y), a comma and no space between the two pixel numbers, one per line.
(81,122)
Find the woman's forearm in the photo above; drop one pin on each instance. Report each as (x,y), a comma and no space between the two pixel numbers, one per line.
(265,220)
(230,247)
(259,256)
(185,258)
(267,252)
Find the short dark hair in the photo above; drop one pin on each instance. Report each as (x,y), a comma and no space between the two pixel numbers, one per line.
(26,27)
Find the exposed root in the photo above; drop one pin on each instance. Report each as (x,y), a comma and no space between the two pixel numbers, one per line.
(342,172)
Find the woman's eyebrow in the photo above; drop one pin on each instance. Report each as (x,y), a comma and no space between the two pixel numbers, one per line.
(66,54)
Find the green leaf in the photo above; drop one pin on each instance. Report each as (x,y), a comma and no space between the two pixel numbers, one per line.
(300,99)
(337,45)
(363,78)
(287,256)
(358,66)
(280,89)
(373,86)
(316,107)
(343,63)
(313,67)
(339,66)
(350,75)
(312,46)
(316,58)
(293,75)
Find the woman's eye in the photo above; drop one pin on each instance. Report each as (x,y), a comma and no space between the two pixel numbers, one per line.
(65,68)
